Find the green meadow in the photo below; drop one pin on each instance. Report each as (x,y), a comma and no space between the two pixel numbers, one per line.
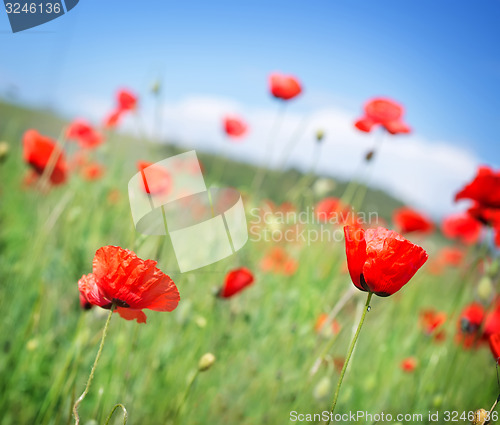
(263,339)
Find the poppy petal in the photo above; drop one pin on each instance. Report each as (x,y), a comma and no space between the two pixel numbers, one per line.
(131,314)
(91,293)
(355,246)
(391,261)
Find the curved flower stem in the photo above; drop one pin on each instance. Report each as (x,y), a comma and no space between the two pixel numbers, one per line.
(125,414)
(185,396)
(349,354)
(91,376)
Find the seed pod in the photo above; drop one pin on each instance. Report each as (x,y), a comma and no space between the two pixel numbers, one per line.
(156,88)
(480,417)
(206,362)
(4,151)
(322,388)
(369,156)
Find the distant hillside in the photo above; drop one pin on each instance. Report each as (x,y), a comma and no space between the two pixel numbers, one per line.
(15,119)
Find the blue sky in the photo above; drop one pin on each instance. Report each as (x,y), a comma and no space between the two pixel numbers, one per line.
(440,59)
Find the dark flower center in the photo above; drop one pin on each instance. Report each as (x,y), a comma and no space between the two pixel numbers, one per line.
(120,303)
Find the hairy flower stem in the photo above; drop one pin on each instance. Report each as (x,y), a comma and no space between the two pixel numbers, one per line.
(91,376)
(125,414)
(349,354)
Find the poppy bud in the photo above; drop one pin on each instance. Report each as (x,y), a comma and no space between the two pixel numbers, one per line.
(4,151)
(437,401)
(369,155)
(206,362)
(322,389)
(320,134)
(156,88)
(32,344)
(485,288)
(201,321)
(322,186)
(480,417)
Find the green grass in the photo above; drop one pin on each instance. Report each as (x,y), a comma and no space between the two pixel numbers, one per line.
(263,339)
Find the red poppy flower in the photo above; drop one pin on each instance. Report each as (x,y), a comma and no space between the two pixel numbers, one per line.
(92,171)
(113,119)
(381,261)
(236,281)
(156,180)
(484,189)
(494,341)
(408,220)
(40,152)
(384,112)
(332,209)
(451,256)
(127,101)
(461,226)
(321,321)
(284,87)
(432,321)
(84,303)
(469,323)
(123,280)
(235,127)
(278,261)
(492,321)
(86,136)
(409,364)
(487,216)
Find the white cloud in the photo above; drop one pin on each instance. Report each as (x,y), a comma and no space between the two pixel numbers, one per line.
(421,172)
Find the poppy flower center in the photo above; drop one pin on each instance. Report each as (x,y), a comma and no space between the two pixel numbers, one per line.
(120,303)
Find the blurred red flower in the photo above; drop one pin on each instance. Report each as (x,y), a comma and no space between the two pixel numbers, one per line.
(92,171)
(461,226)
(469,324)
(319,326)
(381,261)
(487,216)
(484,189)
(122,280)
(408,220)
(284,87)
(113,119)
(494,341)
(432,321)
(333,209)
(156,180)
(278,261)
(86,136)
(235,127)
(40,152)
(452,256)
(409,364)
(236,280)
(384,112)
(492,321)
(127,101)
